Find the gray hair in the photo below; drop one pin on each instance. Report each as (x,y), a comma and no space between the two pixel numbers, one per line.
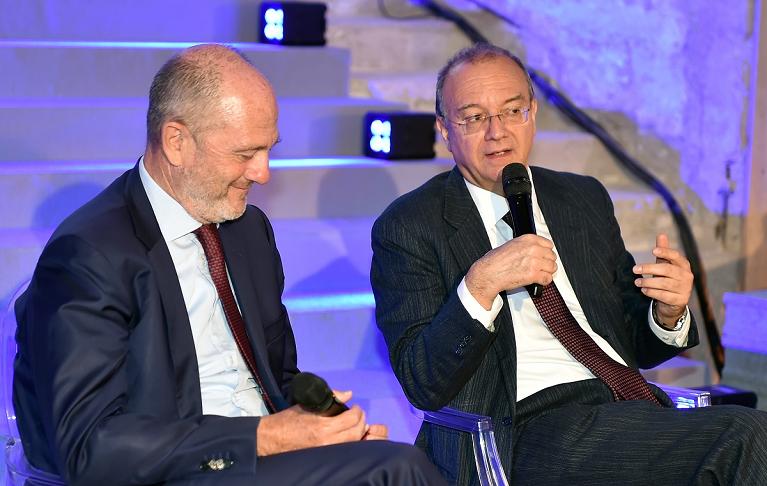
(186,89)
(478,52)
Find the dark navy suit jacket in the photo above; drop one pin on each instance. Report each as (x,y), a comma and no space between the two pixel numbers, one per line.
(106,384)
(424,244)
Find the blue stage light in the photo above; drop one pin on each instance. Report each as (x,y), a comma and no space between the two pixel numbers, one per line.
(292,23)
(380,139)
(273,28)
(399,135)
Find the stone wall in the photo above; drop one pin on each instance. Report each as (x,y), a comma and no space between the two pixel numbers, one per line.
(679,70)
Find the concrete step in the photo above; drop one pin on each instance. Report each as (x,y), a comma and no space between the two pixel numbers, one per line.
(745,325)
(37,69)
(146,20)
(39,194)
(327,204)
(326,255)
(745,341)
(336,331)
(138,20)
(381,45)
(416,89)
(115,128)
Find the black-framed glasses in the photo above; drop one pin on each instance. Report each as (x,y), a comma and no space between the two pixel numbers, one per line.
(478,123)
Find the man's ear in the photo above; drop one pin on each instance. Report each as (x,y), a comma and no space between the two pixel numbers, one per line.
(442,127)
(175,139)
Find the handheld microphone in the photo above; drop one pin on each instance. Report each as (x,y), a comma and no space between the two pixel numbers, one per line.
(518,190)
(314,395)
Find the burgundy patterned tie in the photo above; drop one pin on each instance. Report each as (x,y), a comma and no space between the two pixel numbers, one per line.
(214,252)
(626,383)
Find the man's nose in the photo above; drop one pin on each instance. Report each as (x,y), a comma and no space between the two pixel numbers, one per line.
(257,169)
(496,129)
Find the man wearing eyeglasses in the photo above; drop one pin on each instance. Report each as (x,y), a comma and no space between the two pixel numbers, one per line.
(558,374)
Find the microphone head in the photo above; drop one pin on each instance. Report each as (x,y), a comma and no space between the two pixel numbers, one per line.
(311,392)
(515,180)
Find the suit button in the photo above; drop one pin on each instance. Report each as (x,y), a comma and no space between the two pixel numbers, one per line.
(217,464)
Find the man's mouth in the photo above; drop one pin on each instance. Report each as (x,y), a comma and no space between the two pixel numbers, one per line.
(499,153)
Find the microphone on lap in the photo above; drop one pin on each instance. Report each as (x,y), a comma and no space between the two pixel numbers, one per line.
(518,190)
(314,395)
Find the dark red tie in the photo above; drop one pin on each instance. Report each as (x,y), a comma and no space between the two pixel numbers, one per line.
(214,252)
(626,383)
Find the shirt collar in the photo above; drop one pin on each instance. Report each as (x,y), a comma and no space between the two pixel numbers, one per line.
(172,218)
(493,207)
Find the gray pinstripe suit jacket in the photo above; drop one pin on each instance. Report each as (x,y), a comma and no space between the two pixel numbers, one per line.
(423,245)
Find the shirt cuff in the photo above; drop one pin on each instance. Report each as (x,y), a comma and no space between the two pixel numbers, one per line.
(676,337)
(475,309)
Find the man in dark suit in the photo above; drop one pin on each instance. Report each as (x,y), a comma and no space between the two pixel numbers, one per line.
(449,279)
(148,356)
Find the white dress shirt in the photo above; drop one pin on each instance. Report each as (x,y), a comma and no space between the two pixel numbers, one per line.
(542,361)
(226,385)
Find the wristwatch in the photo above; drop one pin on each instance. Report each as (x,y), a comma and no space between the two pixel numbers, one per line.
(679,321)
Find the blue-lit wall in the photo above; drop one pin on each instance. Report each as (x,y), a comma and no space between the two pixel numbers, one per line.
(680,70)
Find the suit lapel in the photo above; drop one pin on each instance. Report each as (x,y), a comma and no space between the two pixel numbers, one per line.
(568,218)
(239,265)
(181,342)
(469,243)
(563,216)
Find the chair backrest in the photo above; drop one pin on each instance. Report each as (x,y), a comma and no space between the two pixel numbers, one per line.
(7,355)
(18,471)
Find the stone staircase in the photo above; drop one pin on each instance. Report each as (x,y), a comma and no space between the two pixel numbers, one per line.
(72,109)
(745,339)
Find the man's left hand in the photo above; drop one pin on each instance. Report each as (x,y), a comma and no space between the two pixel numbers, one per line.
(669,281)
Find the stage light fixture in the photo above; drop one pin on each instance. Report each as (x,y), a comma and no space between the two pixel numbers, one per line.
(398,135)
(292,23)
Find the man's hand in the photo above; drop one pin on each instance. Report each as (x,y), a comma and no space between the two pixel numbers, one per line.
(295,428)
(519,262)
(376,432)
(669,283)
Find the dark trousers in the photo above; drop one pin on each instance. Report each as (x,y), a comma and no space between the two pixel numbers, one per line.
(368,463)
(584,438)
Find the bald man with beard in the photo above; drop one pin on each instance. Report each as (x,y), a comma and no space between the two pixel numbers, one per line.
(128,372)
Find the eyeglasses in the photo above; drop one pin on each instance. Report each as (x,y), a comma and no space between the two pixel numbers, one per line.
(509,117)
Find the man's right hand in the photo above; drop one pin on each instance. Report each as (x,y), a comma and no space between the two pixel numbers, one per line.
(295,428)
(519,262)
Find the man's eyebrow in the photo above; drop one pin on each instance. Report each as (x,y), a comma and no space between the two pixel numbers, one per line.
(258,147)
(475,105)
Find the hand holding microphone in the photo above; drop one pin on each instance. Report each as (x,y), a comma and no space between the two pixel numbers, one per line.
(519,190)
(527,260)
(314,395)
(319,418)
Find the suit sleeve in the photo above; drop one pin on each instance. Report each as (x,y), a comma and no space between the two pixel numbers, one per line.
(434,345)
(78,322)
(648,348)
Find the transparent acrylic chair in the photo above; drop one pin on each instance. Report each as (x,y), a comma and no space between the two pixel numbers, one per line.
(489,468)
(18,471)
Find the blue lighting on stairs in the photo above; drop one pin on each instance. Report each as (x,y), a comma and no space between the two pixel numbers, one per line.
(334,302)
